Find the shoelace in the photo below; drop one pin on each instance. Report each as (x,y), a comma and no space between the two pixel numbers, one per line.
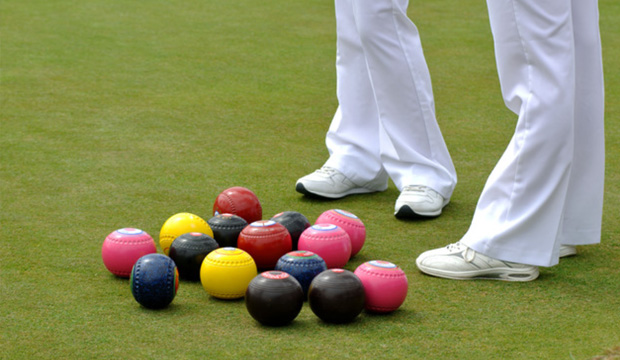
(468,254)
(327,170)
(414,188)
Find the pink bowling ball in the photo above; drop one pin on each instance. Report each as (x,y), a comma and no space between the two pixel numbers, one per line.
(348,222)
(329,241)
(385,285)
(122,248)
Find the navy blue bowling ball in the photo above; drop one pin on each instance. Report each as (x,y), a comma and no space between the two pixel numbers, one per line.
(303,265)
(154,281)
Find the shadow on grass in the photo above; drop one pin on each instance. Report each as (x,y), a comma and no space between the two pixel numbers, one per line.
(118,279)
(315,199)
(450,210)
(226,301)
(172,308)
(296,324)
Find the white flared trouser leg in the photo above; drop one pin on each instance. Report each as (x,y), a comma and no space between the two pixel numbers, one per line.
(386,118)
(352,139)
(547,188)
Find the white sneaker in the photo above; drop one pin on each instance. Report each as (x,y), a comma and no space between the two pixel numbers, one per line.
(457,261)
(330,183)
(419,200)
(567,250)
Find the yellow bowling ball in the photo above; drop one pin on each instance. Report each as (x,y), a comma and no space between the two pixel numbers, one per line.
(179,224)
(226,272)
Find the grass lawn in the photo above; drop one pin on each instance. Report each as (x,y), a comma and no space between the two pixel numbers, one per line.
(122,113)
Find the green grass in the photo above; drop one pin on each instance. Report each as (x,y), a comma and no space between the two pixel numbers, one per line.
(123,113)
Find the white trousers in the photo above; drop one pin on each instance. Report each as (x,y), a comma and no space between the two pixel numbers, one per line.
(385,124)
(547,188)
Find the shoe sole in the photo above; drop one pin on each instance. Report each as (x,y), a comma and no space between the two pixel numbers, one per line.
(406,212)
(300,188)
(503,274)
(567,251)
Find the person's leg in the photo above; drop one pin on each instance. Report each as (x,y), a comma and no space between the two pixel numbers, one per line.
(518,218)
(519,212)
(353,136)
(413,149)
(354,165)
(584,201)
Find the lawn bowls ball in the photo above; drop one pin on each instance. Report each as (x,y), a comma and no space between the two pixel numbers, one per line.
(179,224)
(239,201)
(328,241)
(154,281)
(303,266)
(226,272)
(294,222)
(266,241)
(385,285)
(122,248)
(336,296)
(188,251)
(226,228)
(349,223)
(274,298)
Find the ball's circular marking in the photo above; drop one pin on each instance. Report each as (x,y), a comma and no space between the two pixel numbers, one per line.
(263,223)
(346,213)
(382,264)
(275,275)
(130,231)
(324,227)
(302,254)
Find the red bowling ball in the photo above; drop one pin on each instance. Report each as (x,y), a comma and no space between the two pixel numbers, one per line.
(266,241)
(239,201)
